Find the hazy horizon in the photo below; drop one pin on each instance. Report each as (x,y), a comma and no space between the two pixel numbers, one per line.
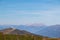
(29,12)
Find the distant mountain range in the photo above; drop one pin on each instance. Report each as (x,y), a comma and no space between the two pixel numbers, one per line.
(50,31)
(14,31)
(31,28)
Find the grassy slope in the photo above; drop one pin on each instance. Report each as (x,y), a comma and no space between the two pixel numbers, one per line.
(23,37)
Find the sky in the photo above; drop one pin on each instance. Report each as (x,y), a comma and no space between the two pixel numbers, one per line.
(29,12)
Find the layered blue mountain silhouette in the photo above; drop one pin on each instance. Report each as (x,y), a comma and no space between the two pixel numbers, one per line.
(30,28)
(49,31)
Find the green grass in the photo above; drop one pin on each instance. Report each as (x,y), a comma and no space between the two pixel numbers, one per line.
(22,37)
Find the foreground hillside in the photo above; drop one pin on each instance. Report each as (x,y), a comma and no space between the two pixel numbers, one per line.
(24,37)
(19,37)
(15,34)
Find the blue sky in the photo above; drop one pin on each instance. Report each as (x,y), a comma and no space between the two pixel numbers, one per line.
(30,11)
